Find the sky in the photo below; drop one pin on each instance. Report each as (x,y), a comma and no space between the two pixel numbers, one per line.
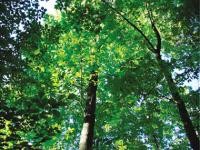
(194,84)
(49,5)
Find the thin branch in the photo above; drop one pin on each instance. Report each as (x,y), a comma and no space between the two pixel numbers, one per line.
(156,141)
(151,47)
(150,90)
(157,33)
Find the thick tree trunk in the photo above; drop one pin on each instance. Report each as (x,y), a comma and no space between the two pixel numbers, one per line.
(190,131)
(86,139)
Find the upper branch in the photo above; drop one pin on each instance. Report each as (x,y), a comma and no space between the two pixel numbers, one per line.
(157,33)
(151,47)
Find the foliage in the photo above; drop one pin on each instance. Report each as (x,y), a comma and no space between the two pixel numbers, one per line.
(43,108)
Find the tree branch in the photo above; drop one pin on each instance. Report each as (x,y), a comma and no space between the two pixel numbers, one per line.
(157,33)
(151,47)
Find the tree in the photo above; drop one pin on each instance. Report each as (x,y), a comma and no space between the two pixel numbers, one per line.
(87,133)
(133,107)
(190,131)
(18,20)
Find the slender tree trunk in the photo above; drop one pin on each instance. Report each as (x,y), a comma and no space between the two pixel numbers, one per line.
(190,131)
(86,139)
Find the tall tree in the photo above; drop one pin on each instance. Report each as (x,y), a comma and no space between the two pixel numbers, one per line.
(86,18)
(190,131)
(18,20)
(133,108)
(87,134)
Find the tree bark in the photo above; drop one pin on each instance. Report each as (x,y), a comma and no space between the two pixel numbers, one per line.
(190,131)
(86,139)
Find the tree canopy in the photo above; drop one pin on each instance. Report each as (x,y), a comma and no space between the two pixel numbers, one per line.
(100,74)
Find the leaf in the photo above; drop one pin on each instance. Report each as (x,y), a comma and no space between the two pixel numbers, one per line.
(107,127)
(36,52)
(78,74)
(120,145)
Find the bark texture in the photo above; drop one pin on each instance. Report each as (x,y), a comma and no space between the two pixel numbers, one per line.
(87,134)
(189,128)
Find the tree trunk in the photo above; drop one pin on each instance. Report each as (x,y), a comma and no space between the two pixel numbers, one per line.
(190,131)
(86,139)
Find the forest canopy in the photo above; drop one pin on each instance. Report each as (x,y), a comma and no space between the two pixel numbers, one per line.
(100,74)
